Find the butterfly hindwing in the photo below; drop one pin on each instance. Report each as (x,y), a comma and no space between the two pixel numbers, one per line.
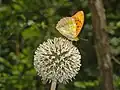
(67,27)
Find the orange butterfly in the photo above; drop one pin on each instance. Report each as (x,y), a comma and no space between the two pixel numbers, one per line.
(70,27)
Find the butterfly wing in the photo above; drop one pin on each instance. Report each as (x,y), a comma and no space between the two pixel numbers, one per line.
(67,27)
(79,20)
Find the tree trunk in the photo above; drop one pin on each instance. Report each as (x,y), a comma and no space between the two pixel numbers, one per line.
(101,44)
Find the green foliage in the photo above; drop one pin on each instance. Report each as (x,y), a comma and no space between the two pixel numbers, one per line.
(24,24)
(86,84)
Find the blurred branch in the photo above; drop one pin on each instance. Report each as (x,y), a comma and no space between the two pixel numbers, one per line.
(101,44)
(116,60)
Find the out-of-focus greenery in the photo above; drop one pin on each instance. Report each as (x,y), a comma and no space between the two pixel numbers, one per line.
(24,24)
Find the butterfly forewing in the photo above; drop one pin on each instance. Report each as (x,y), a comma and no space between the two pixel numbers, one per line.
(79,20)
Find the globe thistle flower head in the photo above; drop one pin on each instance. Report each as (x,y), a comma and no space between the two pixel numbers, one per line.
(57,60)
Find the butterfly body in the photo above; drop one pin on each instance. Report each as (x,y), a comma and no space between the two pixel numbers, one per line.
(70,27)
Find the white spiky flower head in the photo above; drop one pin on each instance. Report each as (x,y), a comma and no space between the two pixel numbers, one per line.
(57,60)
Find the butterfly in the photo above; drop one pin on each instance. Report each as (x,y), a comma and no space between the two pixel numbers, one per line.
(70,27)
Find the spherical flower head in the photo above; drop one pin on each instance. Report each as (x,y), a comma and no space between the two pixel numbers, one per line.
(57,60)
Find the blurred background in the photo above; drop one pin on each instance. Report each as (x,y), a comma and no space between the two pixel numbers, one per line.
(24,24)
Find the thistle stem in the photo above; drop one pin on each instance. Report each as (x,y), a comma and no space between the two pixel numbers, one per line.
(53,85)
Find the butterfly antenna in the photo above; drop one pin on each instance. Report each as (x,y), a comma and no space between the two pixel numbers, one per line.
(84,39)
